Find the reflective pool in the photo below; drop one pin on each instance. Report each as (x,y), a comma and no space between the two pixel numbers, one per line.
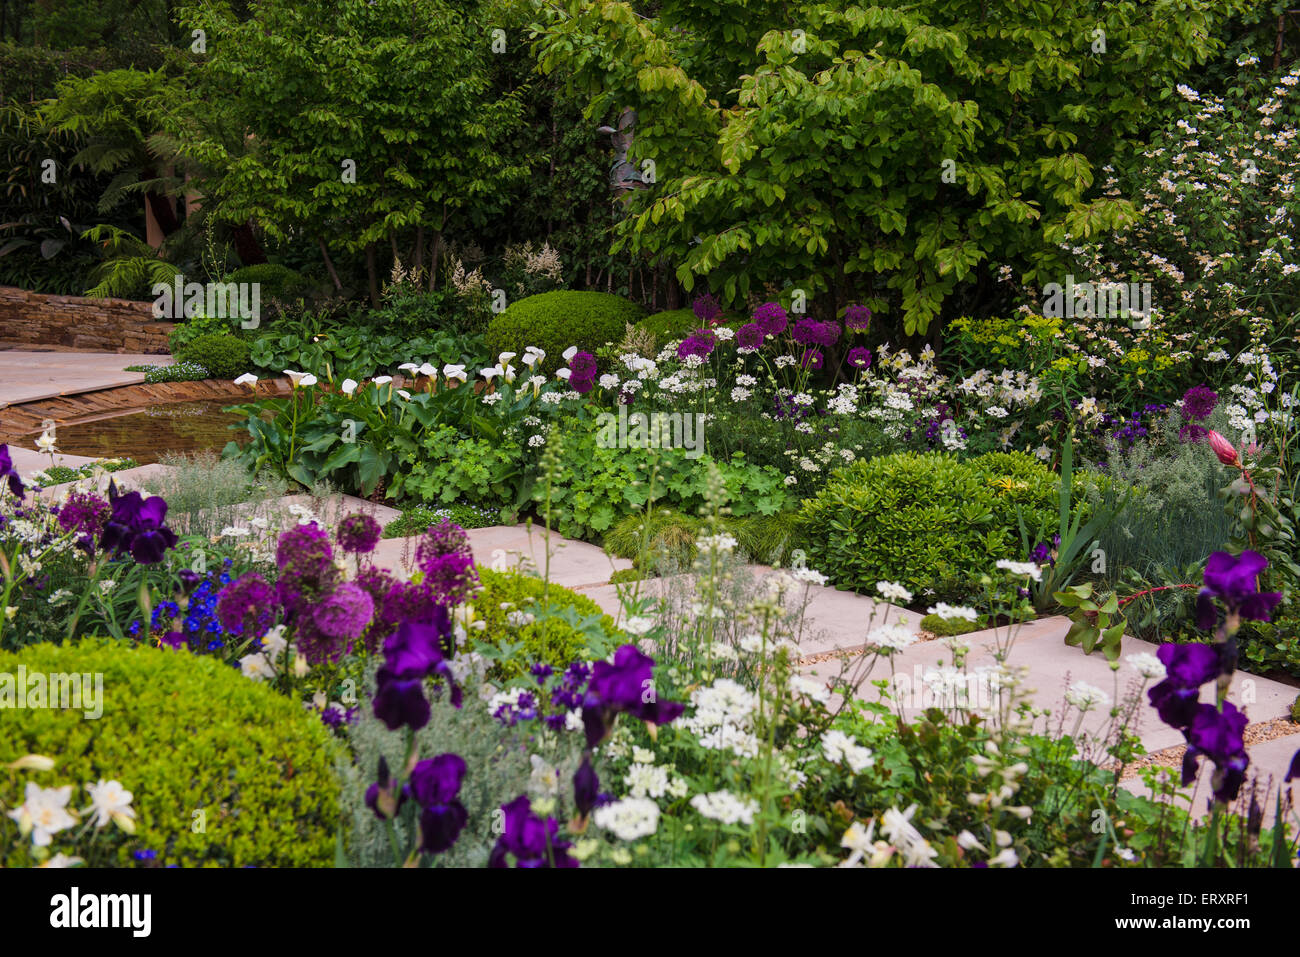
(149,434)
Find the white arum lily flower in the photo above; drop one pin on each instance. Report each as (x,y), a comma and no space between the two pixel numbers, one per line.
(569,353)
(246,379)
(381,380)
(308,379)
(503,360)
(409,367)
(112,802)
(349,386)
(295,377)
(531,359)
(428,369)
(563,374)
(454,372)
(403,393)
(491,372)
(509,373)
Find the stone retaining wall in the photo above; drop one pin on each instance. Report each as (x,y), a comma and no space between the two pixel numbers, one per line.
(31,319)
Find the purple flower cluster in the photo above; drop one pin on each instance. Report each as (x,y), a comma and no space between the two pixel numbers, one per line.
(1198,402)
(1126,431)
(772,318)
(812,359)
(245,606)
(414,652)
(86,514)
(582,372)
(857,318)
(811,332)
(9,473)
(750,336)
(707,309)
(699,343)
(447,561)
(859,358)
(358,534)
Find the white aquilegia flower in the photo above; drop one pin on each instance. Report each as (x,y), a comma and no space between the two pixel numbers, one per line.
(895,637)
(638,625)
(256,666)
(349,386)
(43,813)
(1086,697)
(246,379)
(1021,568)
(112,802)
(725,807)
(892,591)
(1147,665)
(45,443)
(629,819)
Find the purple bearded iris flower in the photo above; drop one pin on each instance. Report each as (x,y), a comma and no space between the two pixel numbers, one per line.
(136,526)
(9,473)
(1233,579)
(413,653)
(529,839)
(625,686)
(1187,667)
(1218,736)
(435,786)
(358,534)
(587,795)
(381,797)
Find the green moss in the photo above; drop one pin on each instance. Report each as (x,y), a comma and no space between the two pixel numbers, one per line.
(575,629)
(554,321)
(943,627)
(183,733)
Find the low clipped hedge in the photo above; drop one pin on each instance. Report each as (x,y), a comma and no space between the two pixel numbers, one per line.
(926,520)
(554,321)
(183,733)
(224,356)
(552,640)
(671,324)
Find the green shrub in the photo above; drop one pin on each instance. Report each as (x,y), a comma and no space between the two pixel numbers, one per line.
(670,324)
(414,521)
(224,356)
(925,520)
(554,321)
(183,733)
(188,330)
(944,627)
(575,629)
(279,283)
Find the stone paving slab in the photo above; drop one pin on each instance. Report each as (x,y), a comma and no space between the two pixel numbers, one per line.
(28,376)
(29,461)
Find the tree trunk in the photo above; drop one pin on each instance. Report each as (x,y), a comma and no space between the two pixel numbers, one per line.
(437,249)
(329,264)
(419,248)
(164,212)
(247,248)
(372,275)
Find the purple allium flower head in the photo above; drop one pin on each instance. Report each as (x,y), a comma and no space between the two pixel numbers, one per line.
(344,613)
(1198,402)
(445,557)
(628,686)
(306,563)
(358,534)
(9,473)
(750,336)
(582,384)
(857,318)
(136,526)
(812,359)
(699,343)
(810,332)
(1233,579)
(706,308)
(859,357)
(532,841)
(772,317)
(246,602)
(582,365)
(378,583)
(85,514)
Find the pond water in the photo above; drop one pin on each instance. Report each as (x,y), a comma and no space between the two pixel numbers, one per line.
(149,434)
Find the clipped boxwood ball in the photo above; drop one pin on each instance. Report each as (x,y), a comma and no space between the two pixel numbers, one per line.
(224,356)
(554,321)
(554,640)
(183,733)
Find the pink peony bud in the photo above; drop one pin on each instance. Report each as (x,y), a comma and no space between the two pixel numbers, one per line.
(1224,449)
